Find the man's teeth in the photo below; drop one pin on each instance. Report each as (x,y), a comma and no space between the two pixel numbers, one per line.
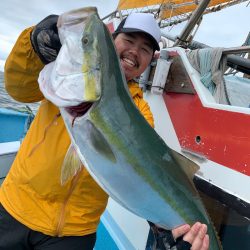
(130,62)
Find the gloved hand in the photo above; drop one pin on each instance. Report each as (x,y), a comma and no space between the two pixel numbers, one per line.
(45,40)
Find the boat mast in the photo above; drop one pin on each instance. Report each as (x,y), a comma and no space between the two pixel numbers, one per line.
(194,19)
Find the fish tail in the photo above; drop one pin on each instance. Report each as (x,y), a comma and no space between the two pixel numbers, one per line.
(71,165)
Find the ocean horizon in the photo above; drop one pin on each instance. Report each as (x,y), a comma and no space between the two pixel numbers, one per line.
(6,101)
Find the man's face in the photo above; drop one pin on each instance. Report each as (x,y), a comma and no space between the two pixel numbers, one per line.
(135,51)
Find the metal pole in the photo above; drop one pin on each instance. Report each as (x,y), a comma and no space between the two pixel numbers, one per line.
(194,19)
(236,50)
(236,62)
(109,15)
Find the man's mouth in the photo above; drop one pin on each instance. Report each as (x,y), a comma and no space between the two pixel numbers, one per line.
(129,62)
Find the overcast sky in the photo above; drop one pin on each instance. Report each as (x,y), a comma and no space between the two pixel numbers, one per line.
(225,28)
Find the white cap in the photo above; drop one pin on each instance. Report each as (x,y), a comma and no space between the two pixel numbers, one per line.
(141,22)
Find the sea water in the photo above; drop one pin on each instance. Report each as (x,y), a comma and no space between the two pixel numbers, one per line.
(7,101)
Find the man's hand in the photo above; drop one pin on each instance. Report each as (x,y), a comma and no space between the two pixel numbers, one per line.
(180,238)
(45,40)
(196,235)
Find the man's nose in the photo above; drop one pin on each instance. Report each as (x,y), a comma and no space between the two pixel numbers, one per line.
(134,49)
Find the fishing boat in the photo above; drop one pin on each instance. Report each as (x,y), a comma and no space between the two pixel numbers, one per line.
(193,121)
(189,118)
(13,126)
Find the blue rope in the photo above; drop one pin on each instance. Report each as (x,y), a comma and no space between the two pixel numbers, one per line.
(205,69)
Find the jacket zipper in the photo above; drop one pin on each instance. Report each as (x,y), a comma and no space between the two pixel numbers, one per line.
(63,209)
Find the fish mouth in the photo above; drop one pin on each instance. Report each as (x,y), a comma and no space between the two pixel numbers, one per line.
(78,112)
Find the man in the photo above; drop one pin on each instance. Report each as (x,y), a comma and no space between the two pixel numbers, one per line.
(37,212)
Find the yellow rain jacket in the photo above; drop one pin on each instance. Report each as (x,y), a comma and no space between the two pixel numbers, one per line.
(32,192)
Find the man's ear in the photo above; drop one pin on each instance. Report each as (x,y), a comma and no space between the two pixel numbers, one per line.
(156,55)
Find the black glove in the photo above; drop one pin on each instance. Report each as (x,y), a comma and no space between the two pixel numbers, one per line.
(161,239)
(45,40)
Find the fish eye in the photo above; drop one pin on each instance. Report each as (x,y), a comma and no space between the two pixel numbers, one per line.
(85,40)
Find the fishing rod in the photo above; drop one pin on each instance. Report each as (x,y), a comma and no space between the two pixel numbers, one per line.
(238,63)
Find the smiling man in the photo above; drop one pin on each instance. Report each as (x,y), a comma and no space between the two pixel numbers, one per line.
(136,43)
(37,212)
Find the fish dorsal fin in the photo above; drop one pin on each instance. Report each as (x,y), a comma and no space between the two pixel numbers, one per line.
(215,214)
(217,235)
(188,166)
(71,165)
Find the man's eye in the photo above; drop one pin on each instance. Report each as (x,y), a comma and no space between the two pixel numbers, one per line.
(148,51)
(129,41)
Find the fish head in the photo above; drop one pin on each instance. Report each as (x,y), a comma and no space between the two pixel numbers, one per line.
(86,61)
(100,59)
(76,74)
(91,58)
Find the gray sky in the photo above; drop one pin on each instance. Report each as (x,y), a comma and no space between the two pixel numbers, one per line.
(225,28)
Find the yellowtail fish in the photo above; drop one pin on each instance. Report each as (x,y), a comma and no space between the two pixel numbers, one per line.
(125,156)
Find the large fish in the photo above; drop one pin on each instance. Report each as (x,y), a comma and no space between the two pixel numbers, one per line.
(121,151)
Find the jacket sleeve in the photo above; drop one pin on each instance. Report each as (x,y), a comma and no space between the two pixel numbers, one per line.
(141,104)
(22,69)
(145,110)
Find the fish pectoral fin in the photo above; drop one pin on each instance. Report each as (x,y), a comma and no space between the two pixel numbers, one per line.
(71,165)
(99,142)
(188,166)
